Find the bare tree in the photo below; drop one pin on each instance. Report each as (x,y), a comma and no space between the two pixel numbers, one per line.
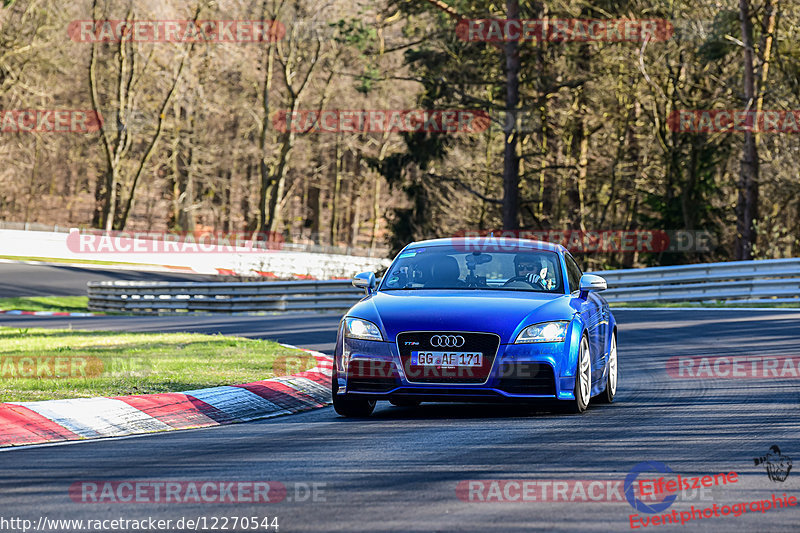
(116,192)
(747,204)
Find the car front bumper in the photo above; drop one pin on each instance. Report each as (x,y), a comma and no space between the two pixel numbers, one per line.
(519,372)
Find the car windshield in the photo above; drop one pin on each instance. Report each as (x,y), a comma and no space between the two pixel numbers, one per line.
(445,267)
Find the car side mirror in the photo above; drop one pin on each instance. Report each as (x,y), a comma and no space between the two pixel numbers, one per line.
(366,281)
(590,282)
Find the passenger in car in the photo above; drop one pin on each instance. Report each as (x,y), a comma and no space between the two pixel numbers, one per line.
(445,274)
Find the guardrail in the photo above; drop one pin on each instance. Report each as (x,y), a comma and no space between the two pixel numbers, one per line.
(159,297)
(744,281)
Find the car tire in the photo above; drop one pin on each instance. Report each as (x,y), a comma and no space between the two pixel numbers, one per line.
(607,396)
(348,406)
(404,403)
(583,379)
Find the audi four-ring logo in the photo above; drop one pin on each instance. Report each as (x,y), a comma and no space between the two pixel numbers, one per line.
(448,341)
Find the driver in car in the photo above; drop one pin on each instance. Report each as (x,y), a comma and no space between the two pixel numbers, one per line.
(534,270)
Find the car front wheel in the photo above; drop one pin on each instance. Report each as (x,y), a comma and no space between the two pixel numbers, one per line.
(607,396)
(347,405)
(583,379)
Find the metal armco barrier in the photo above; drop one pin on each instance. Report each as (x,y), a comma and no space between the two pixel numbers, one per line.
(776,280)
(166,297)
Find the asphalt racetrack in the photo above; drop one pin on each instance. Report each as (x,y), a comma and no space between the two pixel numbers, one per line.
(20,279)
(400,469)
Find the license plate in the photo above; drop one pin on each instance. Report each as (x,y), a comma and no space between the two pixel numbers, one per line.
(447,358)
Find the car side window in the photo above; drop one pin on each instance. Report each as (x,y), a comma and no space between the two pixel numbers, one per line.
(573,273)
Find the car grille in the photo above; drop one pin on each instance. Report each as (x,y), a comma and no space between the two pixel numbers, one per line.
(485,343)
(527,378)
(371,376)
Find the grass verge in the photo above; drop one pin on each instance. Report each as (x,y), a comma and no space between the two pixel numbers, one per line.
(70,304)
(47,364)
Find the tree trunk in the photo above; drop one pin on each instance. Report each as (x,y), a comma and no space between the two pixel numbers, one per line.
(747,204)
(337,183)
(266,184)
(376,213)
(278,180)
(510,156)
(251,223)
(227,200)
(183,195)
(355,221)
(99,213)
(771,11)
(580,140)
(314,208)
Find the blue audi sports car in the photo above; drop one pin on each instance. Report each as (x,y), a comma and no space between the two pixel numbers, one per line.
(457,320)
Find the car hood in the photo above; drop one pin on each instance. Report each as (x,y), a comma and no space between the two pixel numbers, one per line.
(501,312)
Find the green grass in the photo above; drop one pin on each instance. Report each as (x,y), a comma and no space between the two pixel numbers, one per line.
(71,304)
(704,304)
(85,364)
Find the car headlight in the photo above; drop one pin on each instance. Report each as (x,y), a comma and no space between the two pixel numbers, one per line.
(545,332)
(357,328)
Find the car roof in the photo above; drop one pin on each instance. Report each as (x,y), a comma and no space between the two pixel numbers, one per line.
(487,241)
